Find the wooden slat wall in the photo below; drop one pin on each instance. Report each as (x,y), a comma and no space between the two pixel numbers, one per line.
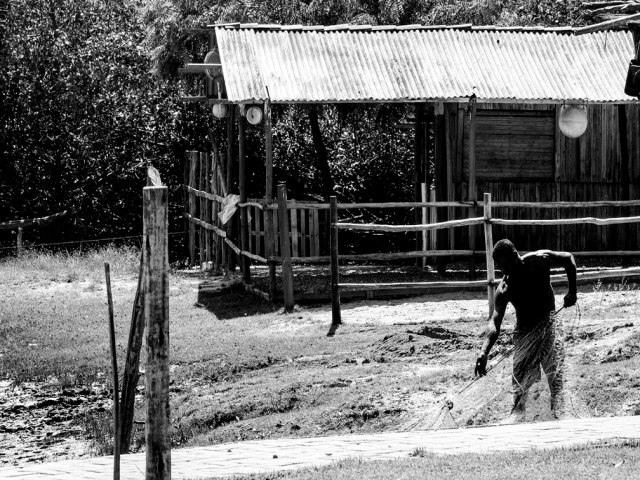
(583,169)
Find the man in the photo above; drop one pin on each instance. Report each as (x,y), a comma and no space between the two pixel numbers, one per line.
(526,284)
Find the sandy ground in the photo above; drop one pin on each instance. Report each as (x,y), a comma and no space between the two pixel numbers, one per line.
(431,336)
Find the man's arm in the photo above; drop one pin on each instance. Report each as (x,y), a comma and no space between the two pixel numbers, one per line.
(493,330)
(566,261)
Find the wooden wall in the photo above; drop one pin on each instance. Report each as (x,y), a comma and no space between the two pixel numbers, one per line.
(522,156)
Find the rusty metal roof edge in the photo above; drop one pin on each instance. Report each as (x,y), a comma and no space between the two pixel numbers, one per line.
(479,100)
(398,28)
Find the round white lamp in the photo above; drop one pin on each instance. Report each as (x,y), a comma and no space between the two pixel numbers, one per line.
(254,115)
(573,120)
(220,110)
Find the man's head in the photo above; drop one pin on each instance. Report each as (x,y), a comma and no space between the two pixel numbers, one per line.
(505,256)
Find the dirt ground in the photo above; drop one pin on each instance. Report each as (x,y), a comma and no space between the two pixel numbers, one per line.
(241,370)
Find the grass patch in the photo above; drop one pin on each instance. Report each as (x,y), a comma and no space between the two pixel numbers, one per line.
(619,461)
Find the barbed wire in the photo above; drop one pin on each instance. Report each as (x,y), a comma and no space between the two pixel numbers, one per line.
(95,240)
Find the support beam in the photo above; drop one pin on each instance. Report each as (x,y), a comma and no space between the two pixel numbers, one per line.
(472,189)
(441,167)
(418,168)
(231,140)
(269,234)
(244,219)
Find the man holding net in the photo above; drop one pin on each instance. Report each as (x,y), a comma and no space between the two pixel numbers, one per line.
(537,340)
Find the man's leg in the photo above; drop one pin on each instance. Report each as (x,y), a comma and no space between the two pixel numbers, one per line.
(526,371)
(553,365)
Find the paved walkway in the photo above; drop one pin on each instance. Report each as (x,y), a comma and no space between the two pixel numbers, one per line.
(268,455)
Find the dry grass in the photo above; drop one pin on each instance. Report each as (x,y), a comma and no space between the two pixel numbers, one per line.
(619,461)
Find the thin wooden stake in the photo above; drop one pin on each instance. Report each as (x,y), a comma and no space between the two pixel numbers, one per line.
(269,233)
(425,219)
(488,245)
(114,370)
(336,316)
(285,249)
(19,241)
(472,195)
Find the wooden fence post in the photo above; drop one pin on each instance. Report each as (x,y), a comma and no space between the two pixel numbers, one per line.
(19,241)
(202,160)
(193,163)
(425,220)
(488,245)
(336,316)
(285,249)
(156,314)
(207,211)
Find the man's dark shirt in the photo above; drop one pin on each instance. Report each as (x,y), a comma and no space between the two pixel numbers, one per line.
(529,290)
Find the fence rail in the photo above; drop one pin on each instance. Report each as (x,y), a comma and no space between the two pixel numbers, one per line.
(488,221)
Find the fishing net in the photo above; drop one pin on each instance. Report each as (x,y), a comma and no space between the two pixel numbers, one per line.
(532,367)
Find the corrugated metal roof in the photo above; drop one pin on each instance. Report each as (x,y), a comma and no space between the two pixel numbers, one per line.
(348,64)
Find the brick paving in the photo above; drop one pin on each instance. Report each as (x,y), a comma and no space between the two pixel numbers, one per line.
(256,456)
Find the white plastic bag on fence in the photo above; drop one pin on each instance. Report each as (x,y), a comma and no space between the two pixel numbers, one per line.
(228,207)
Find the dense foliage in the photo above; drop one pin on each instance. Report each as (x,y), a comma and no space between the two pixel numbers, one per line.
(89,96)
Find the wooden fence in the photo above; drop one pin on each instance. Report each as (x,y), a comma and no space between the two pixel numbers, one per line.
(487,221)
(221,245)
(20,225)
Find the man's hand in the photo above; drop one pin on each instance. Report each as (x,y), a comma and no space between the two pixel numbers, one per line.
(570,299)
(481,366)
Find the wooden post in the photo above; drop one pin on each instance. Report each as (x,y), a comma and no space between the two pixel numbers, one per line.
(441,168)
(19,241)
(114,371)
(488,245)
(285,249)
(202,252)
(269,234)
(433,218)
(229,183)
(472,190)
(207,209)
(156,314)
(245,263)
(193,163)
(418,174)
(336,316)
(425,220)
(131,370)
(185,197)
(136,332)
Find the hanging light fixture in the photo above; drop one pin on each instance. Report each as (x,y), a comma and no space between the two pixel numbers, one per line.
(220,110)
(254,115)
(573,120)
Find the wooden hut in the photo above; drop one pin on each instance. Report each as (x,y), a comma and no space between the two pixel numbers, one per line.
(493,97)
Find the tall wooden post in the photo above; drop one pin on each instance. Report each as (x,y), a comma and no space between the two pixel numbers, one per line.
(472,189)
(245,263)
(418,169)
(229,183)
(425,220)
(336,315)
(193,164)
(202,234)
(156,314)
(441,167)
(269,236)
(488,245)
(285,249)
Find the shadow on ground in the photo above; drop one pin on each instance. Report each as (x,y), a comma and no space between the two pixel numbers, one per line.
(231,301)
